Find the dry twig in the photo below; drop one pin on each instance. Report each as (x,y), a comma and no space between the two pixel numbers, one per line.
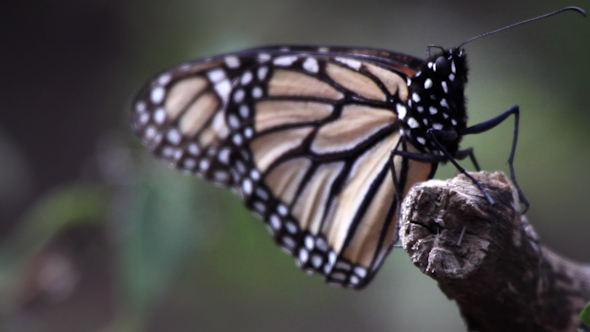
(499,274)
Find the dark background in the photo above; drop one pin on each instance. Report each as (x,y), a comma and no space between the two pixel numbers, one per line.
(95,235)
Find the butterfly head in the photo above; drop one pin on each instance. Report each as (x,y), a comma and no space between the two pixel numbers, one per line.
(450,65)
(437,98)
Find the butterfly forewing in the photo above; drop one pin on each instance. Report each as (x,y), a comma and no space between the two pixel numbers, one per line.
(304,136)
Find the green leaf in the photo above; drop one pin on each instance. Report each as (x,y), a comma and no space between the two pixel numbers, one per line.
(585,315)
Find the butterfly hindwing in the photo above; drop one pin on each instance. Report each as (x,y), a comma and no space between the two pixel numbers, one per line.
(304,136)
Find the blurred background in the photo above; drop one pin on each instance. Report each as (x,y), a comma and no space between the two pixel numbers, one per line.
(96,235)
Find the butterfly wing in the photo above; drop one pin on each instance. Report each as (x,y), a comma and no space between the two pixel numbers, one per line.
(304,136)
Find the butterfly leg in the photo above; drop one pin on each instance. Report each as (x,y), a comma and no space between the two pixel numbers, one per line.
(451,135)
(468,152)
(491,123)
(460,155)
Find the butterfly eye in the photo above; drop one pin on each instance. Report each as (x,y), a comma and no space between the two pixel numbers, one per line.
(443,65)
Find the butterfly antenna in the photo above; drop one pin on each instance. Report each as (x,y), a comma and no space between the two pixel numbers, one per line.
(577,9)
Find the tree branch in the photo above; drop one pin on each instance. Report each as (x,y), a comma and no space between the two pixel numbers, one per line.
(499,274)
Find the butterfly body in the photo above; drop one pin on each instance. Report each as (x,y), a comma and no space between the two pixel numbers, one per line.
(437,100)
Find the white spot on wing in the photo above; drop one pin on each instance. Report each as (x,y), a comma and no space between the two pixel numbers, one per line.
(239,95)
(443,103)
(233,121)
(216,75)
(311,65)
(453,68)
(262,194)
(263,57)
(240,167)
(260,207)
(421,140)
(321,244)
(432,110)
(219,125)
(144,118)
(246,78)
(157,95)
(413,123)
(173,136)
(303,255)
(428,83)
(416,97)
(178,154)
(275,221)
(332,258)
(257,92)
(150,132)
(164,79)
(316,261)
(248,132)
(140,107)
(223,88)
(244,111)
(288,242)
(401,111)
(342,266)
(223,155)
(194,149)
(237,139)
(189,163)
(160,116)
(220,176)
(282,209)
(261,73)
(437,126)
(338,276)
(232,61)
(360,271)
(167,152)
(309,242)
(247,186)
(444,86)
(291,227)
(204,165)
(354,64)
(285,60)
(255,174)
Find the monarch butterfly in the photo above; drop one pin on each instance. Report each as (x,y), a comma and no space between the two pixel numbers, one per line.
(321,142)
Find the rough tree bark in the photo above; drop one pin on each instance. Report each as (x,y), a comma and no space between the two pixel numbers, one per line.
(498,273)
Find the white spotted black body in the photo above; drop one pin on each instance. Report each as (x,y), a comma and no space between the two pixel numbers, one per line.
(437,100)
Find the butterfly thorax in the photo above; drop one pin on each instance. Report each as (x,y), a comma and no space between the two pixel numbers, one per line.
(436,100)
